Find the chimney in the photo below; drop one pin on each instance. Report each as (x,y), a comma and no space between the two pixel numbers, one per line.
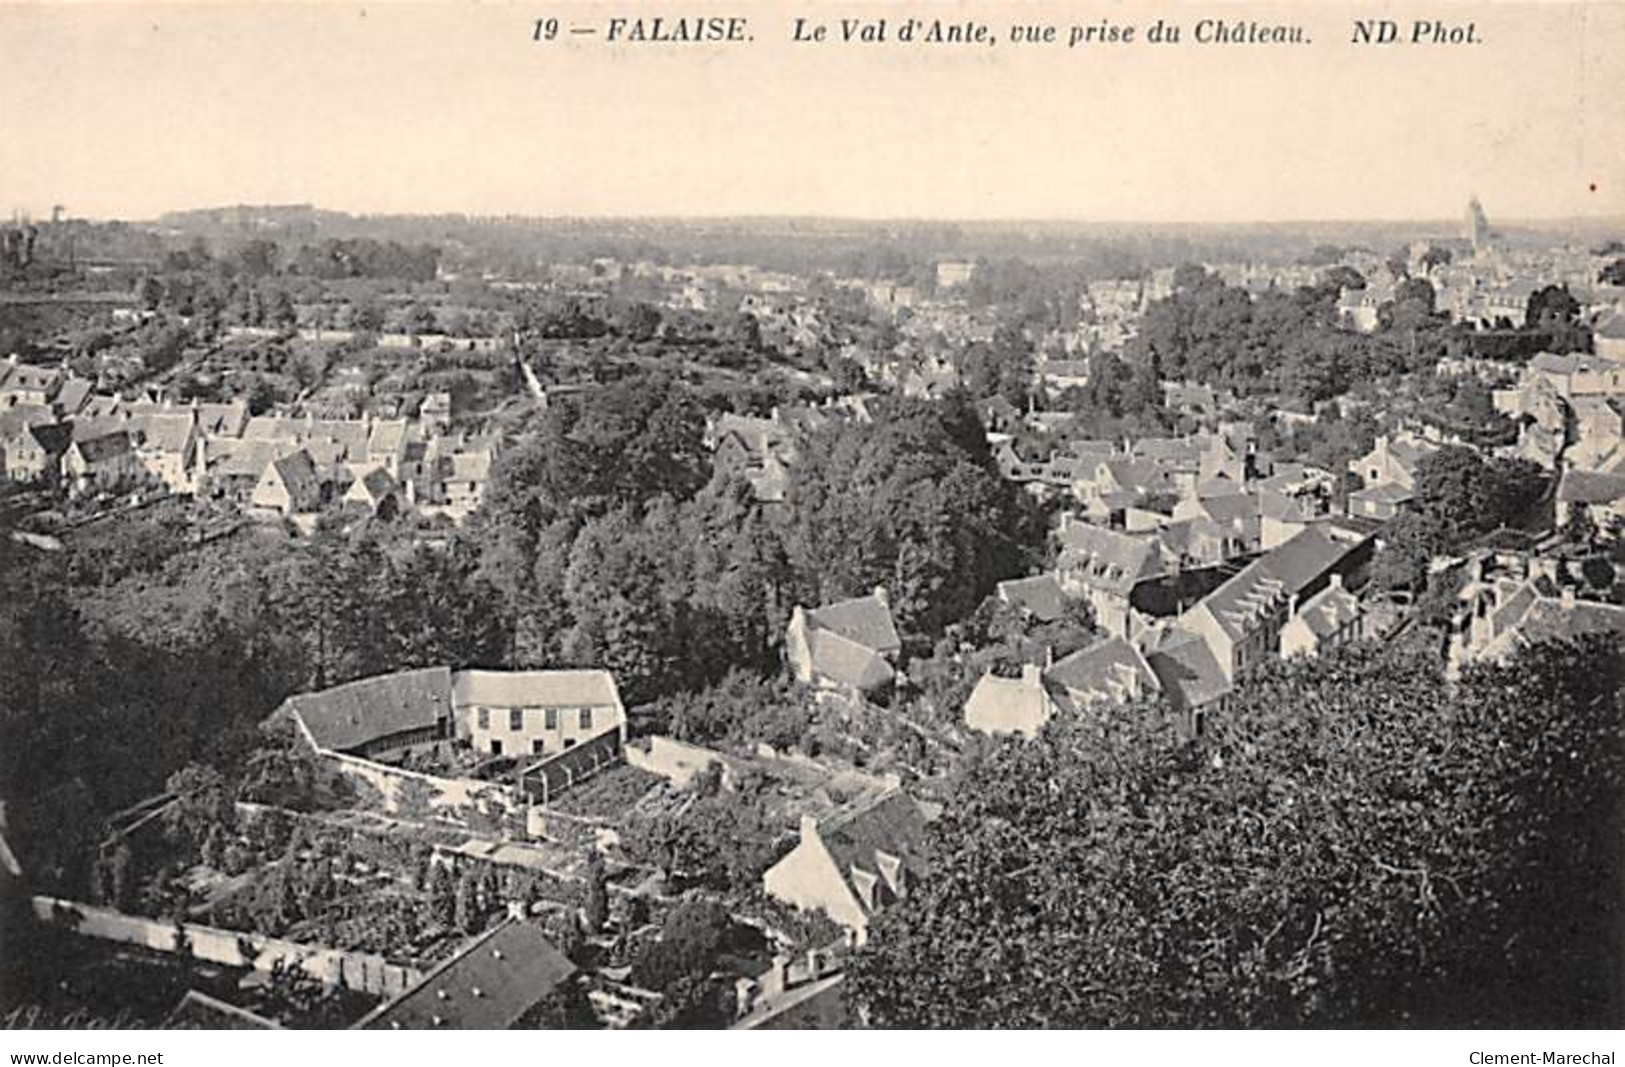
(815,961)
(744,996)
(883,596)
(1032,674)
(1336,580)
(809,827)
(1566,598)
(775,980)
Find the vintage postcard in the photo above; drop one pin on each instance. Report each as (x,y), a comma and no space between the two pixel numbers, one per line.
(901,515)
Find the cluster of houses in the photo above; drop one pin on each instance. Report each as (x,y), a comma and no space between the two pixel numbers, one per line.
(1297,598)
(1571,415)
(1513,599)
(53,428)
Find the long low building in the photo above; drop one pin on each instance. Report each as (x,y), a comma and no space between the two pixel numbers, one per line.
(502,713)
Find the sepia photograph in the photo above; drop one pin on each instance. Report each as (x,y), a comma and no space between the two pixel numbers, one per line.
(926,515)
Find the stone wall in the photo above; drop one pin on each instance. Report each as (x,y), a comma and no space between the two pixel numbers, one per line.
(361,972)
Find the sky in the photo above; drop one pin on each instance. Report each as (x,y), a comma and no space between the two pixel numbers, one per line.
(130,109)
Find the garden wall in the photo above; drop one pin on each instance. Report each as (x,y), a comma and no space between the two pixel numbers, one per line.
(412,795)
(358,971)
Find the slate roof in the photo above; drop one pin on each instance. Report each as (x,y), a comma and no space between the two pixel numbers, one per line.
(1275,505)
(1187,669)
(387,437)
(534,689)
(105,447)
(298,475)
(162,433)
(53,437)
(1143,474)
(1103,671)
(377,484)
(1548,619)
(1590,487)
(758,435)
(1274,577)
(471,466)
(1409,451)
(73,394)
(231,458)
(1108,559)
(865,620)
(847,662)
(1329,610)
(1234,509)
(891,823)
(349,716)
(31,377)
(225,420)
(489,985)
(14,419)
(1039,595)
(199,1011)
(1177,451)
(1386,493)
(1611,325)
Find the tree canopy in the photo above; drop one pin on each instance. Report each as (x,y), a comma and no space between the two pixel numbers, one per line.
(1355,845)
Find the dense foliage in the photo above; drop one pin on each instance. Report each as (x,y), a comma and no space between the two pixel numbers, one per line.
(1356,845)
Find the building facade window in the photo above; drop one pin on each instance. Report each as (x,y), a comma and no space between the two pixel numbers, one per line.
(516,719)
(586,718)
(484,718)
(551,719)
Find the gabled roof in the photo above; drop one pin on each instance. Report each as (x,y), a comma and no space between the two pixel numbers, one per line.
(1611,325)
(73,394)
(1408,451)
(388,435)
(1103,671)
(534,689)
(15,418)
(1537,611)
(847,662)
(757,435)
(865,620)
(1039,595)
(199,1011)
(489,985)
(1590,487)
(29,376)
(105,447)
(1174,450)
(1143,474)
(222,419)
(1329,610)
(163,433)
(891,825)
(231,458)
(1235,508)
(1549,619)
(471,466)
(1385,493)
(1274,577)
(1187,669)
(348,716)
(1106,558)
(1006,705)
(297,473)
(376,485)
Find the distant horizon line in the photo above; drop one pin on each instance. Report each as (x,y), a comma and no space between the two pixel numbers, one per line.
(1532,221)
